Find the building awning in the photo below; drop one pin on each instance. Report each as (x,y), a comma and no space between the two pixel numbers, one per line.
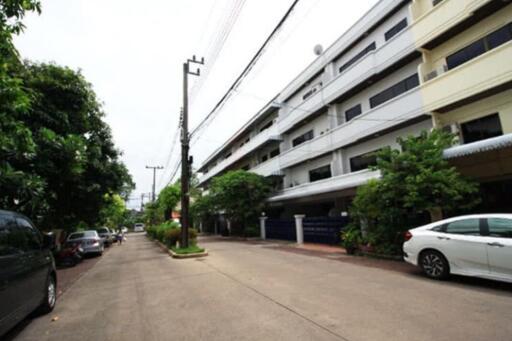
(486,145)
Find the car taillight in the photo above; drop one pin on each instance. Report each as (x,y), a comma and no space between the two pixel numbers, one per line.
(407,235)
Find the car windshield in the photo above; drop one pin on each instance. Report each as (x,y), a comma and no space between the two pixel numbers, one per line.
(77,235)
(139,225)
(85,234)
(102,230)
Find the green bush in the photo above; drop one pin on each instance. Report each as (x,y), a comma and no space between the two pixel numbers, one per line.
(351,239)
(174,235)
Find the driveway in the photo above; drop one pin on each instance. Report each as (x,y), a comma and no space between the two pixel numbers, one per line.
(259,291)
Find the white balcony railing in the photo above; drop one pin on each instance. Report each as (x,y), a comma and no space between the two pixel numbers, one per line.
(270,134)
(400,109)
(373,63)
(333,184)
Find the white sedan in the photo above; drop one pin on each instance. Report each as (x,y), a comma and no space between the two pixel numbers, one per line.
(473,245)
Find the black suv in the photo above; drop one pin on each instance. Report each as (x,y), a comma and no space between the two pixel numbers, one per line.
(28,280)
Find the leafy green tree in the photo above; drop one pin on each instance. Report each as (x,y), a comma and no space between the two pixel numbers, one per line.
(241,195)
(168,199)
(414,181)
(114,212)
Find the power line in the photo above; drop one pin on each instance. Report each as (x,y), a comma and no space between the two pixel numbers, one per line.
(240,78)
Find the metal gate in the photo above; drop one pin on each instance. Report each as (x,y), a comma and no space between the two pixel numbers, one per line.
(324,230)
(280,229)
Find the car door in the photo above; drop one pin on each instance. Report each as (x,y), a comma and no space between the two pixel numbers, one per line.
(14,273)
(499,246)
(464,246)
(37,261)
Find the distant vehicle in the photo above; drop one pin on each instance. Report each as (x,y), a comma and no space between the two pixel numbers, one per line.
(474,245)
(105,235)
(139,227)
(90,241)
(28,279)
(124,229)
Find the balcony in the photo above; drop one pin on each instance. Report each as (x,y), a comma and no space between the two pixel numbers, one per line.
(431,23)
(397,110)
(480,75)
(398,48)
(268,168)
(337,183)
(267,136)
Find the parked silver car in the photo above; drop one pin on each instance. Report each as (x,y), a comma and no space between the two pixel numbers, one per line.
(106,235)
(90,241)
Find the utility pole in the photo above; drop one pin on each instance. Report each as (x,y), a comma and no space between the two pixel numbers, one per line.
(142,195)
(154,168)
(186,162)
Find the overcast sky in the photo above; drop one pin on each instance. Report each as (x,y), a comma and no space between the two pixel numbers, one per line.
(132,52)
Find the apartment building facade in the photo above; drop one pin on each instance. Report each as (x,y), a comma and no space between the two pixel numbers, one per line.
(405,67)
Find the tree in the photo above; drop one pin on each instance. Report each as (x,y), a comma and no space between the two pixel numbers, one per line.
(414,181)
(114,212)
(240,194)
(168,199)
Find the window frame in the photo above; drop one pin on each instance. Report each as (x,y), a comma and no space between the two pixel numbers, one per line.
(349,115)
(397,28)
(466,135)
(395,90)
(480,227)
(297,141)
(367,155)
(487,230)
(321,168)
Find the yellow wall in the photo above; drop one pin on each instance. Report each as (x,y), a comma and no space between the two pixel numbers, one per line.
(500,103)
(436,57)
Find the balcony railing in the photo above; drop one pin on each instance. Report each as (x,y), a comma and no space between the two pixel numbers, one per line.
(400,109)
(267,135)
(478,75)
(431,21)
(267,168)
(374,62)
(337,183)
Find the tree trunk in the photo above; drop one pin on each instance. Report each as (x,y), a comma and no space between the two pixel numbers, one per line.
(436,214)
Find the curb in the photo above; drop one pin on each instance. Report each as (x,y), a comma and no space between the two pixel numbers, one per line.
(180,256)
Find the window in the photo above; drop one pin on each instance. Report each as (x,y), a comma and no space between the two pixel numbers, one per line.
(274,152)
(481,129)
(302,138)
(364,161)
(399,88)
(32,239)
(466,226)
(320,173)
(264,158)
(352,112)
(500,227)
(395,29)
(358,56)
(9,233)
(436,2)
(227,155)
(480,46)
(246,167)
(312,91)
(266,126)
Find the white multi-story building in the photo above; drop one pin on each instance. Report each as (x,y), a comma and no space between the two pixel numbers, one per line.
(380,80)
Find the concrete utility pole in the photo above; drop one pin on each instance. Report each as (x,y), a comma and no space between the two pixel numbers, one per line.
(154,168)
(186,162)
(148,195)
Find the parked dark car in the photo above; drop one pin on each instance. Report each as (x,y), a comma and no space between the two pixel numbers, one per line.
(28,279)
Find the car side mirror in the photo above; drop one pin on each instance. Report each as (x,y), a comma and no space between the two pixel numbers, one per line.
(48,240)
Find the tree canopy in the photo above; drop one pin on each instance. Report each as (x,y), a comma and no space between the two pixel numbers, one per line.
(415,181)
(57,156)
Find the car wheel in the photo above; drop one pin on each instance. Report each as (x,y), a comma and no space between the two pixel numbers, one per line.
(434,264)
(50,297)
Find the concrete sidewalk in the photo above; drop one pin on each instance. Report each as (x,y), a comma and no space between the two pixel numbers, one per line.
(255,291)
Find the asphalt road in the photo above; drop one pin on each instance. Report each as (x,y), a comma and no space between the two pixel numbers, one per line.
(253,291)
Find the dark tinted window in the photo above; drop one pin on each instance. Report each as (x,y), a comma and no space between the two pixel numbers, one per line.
(32,237)
(246,167)
(481,129)
(302,138)
(352,112)
(499,37)
(264,158)
(435,2)
(399,88)
(466,226)
(358,56)
(480,46)
(10,238)
(320,173)
(395,29)
(500,227)
(274,152)
(364,161)
(266,126)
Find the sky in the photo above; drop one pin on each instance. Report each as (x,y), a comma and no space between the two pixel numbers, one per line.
(133,53)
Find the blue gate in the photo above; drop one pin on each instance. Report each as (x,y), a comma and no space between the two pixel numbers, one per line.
(324,230)
(280,229)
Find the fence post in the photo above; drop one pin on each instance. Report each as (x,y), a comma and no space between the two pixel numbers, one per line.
(263,232)
(299,228)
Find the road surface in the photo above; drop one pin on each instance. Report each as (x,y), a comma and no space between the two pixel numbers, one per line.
(253,291)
